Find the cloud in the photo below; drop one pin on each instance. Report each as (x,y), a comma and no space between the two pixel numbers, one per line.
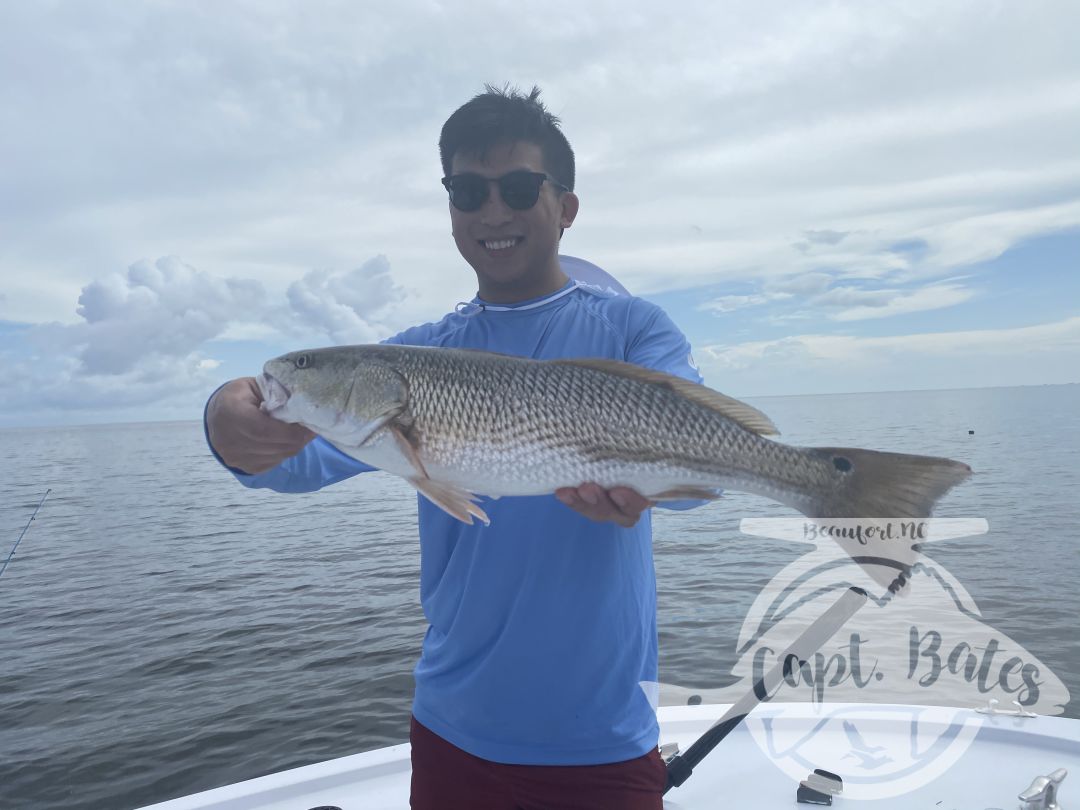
(810,296)
(822,237)
(850,351)
(37,388)
(730,303)
(775,152)
(161,310)
(267,139)
(802,284)
(146,335)
(346,306)
(826,237)
(860,304)
(849,296)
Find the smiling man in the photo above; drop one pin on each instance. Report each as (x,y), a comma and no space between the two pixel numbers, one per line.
(514,250)
(542,625)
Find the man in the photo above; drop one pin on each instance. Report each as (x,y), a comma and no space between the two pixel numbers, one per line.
(543,624)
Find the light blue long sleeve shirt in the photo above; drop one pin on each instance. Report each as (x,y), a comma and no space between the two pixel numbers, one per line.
(543,624)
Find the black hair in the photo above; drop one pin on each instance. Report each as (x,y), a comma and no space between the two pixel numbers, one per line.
(501,116)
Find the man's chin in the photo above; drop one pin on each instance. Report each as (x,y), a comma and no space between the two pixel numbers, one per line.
(503,276)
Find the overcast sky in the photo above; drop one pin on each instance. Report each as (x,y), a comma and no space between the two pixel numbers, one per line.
(825,196)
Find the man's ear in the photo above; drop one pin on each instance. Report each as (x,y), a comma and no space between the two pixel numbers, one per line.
(569,202)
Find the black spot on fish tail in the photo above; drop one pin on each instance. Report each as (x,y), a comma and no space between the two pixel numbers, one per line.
(873,484)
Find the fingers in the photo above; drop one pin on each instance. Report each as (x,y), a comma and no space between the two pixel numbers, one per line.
(246,437)
(620,505)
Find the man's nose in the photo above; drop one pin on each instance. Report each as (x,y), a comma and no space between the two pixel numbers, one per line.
(495,211)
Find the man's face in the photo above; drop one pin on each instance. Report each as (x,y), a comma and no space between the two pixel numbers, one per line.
(529,266)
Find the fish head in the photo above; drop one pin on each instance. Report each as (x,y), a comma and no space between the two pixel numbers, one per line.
(344,393)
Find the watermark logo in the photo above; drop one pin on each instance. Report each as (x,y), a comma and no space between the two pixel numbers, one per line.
(887,702)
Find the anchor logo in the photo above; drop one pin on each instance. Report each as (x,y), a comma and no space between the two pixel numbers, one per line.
(919,660)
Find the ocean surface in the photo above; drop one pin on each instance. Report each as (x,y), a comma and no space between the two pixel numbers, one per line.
(164,630)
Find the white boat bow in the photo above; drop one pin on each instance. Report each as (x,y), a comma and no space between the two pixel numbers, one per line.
(889,756)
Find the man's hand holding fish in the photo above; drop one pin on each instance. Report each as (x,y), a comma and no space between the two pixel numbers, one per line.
(244,436)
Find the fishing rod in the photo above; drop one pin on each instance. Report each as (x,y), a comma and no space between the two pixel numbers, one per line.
(27,526)
(809,642)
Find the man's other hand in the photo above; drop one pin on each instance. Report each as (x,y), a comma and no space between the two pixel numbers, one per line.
(620,505)
(246,437)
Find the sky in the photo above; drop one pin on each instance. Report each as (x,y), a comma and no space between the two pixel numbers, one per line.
(825,197)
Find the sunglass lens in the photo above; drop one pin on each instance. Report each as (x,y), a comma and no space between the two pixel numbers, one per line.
(520,190)
(468,191)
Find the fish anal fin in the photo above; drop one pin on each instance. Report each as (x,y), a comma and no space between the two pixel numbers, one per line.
(453,500)
(746,416)
(686,494)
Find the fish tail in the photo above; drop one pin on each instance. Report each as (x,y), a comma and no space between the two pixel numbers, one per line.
(873,484)
(876,488)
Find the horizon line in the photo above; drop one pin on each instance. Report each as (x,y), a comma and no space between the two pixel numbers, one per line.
(744,397)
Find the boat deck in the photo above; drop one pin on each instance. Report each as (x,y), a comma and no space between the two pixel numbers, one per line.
(889,756)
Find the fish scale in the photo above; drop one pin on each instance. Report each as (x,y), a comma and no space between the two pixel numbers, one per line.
(458,423)
(561,417)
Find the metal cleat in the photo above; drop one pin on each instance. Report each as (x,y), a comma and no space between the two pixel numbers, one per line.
(1042,795)
(991,708)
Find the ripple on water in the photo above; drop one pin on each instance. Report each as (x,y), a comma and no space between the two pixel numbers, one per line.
(166,631)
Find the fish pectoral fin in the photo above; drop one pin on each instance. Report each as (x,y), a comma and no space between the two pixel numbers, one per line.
(686,494)
(745,416)
(452,499)
(408,449)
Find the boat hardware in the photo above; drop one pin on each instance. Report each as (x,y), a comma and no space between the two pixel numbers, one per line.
(809,642)
(1042,794)
(668,751)
(819,788)
(991,707)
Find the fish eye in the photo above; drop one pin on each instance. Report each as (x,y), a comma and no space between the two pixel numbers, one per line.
(302,361)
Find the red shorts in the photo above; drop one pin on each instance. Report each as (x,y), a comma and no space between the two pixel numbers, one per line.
(446,778)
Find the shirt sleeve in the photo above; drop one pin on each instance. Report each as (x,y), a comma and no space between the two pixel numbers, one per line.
(654,341)
(318,465)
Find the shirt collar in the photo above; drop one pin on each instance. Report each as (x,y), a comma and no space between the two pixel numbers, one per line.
(478,305)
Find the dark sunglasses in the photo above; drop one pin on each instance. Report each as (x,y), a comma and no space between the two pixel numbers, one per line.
(520,189)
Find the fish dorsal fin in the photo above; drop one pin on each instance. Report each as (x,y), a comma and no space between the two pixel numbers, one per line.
(745,416)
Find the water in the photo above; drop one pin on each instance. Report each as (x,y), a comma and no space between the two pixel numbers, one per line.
(164,630)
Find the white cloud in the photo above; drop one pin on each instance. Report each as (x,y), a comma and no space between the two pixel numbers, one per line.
(143,335)
(842,303)
(848,351)
(825,237)
(855,296)
(801,284)
(784,148)
(267,139)
(164,309)
(346,306)
(730,303)
(865,304)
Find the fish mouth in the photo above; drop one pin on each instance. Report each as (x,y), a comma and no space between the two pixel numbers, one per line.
(274,394)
